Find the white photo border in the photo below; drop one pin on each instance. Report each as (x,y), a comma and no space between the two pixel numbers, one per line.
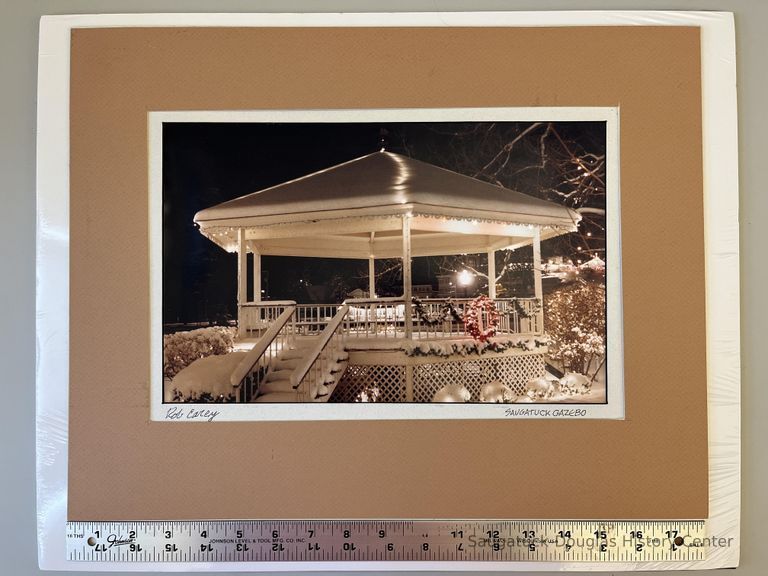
(720,143)
(306,411)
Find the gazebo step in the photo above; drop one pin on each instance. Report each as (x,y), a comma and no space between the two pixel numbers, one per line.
(277,397)
(274,386)
(296,354)
(340,368)
(279,382)
(277,386)
(278,375)
(337,373)
(288,364)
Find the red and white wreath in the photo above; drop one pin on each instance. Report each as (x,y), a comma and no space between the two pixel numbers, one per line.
(481,319)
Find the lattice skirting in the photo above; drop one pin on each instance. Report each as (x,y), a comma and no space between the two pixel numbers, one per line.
(389,380)
(514,371)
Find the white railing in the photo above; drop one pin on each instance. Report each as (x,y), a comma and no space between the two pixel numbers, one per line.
(385,317)
(319,370)
(313,318)
(375,317)
(440,317)
(253,368)
(520,315)
(254,318)
(436,317)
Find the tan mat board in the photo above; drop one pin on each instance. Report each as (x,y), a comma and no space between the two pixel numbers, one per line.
(651,465)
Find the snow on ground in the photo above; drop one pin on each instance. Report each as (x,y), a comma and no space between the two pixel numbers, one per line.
(210,374)
(596,394)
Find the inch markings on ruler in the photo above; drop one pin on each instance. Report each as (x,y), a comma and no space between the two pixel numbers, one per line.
(387,540)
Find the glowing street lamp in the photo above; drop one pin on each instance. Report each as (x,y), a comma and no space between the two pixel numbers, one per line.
(465,278)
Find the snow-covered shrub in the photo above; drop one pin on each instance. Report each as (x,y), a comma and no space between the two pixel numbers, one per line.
(183,348)
(540,387)
(572,383)
(452,393)
(496,392)
(202,398)
(574,317)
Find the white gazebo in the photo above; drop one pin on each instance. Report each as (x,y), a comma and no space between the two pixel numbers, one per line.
(382,205)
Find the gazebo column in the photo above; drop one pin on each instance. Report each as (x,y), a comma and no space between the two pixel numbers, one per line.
(371,269)
(256,273)
(492,274)
(537,290)
(371,277)
(407,297)
(242,279)
(407,283)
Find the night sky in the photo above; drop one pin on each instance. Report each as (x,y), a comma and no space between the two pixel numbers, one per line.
(205,164)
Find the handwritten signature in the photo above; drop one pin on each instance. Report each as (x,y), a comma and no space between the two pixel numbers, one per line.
(179,413)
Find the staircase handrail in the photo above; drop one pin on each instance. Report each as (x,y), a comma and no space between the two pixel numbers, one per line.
(244,368)
(325,337)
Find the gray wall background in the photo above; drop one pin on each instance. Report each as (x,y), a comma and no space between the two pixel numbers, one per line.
(18,69)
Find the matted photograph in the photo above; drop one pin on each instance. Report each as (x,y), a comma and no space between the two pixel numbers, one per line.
(243,265)
(349,260)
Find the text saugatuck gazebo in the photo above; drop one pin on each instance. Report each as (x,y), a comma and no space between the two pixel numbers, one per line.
(382,205)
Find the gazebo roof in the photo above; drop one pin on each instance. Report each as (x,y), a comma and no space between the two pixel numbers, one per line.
(383,182)
(368,196)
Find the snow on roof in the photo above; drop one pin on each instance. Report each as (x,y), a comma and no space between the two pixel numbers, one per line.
(381,184)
